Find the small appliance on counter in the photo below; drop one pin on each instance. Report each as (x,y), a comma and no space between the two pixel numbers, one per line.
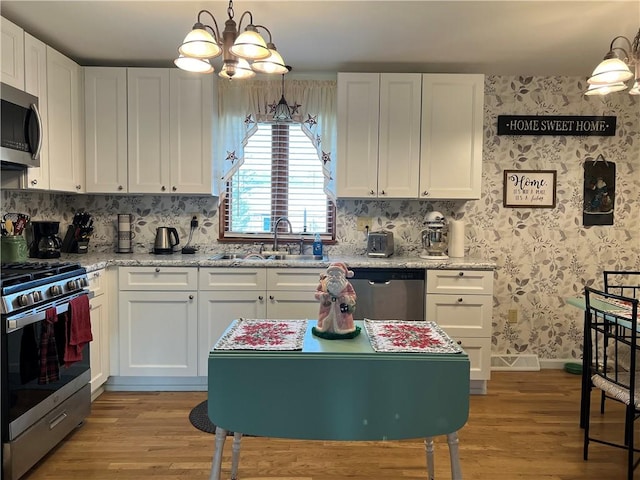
(44,241)
(434,238)
(166,239)
(380,244)
(76,240)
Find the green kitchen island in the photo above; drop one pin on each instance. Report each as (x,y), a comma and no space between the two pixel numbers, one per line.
(337,390)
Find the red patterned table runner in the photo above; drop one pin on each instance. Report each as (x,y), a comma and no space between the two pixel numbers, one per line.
(254,334)
(405,336)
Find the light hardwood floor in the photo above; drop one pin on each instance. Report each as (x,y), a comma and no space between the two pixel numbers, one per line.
(525,428)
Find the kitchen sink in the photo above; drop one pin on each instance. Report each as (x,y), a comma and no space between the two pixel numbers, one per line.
(237,256)
(268,255)
(293,256)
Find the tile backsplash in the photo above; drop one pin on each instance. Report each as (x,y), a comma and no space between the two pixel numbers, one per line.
(542,255)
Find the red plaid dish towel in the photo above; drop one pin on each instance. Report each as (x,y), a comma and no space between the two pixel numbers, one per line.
(49,366)
(78,329)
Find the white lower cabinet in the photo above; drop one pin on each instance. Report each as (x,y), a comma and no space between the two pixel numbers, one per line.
(100,330)
(461,302)
(230,293)
(158,321)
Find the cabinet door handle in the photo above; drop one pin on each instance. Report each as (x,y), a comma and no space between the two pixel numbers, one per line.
(260,297)
(271,297)
(383,192)
(190,297)
(174,188)
(120,187)
(459,300)
(459,342)
(425,193)
(371,192)
(78,187)
(461,274)
(34,182)
(163,188)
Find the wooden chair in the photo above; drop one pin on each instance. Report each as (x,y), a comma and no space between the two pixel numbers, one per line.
(611,333)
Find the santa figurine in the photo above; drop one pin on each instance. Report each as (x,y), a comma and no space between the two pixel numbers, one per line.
(337,303)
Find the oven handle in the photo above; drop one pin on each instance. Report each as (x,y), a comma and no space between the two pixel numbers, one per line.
(62,305)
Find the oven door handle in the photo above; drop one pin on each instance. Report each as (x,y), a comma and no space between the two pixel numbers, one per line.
(38,315)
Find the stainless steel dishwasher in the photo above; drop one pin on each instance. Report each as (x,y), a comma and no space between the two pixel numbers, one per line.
(389,293)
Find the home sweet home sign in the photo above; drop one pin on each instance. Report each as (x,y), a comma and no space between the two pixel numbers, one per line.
(603,126)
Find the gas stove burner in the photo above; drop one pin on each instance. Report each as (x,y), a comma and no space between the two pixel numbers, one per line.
(26,284)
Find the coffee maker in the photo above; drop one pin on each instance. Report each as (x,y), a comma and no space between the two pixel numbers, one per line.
(44,240)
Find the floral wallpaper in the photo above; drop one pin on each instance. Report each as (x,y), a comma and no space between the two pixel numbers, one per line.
(542,255)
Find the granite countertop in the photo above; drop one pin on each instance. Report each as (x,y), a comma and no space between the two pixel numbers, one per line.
(96,261)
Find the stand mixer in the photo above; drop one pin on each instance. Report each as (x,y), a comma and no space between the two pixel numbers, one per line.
(434,237)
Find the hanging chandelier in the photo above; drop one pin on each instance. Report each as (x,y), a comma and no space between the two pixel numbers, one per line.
(613,73)
(205,42)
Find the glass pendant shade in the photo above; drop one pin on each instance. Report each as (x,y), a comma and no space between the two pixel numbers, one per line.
(250,45)
(272,64)
(242,71)
(283,112)
(609,71)
(200,44)
(191,64)
(605,89)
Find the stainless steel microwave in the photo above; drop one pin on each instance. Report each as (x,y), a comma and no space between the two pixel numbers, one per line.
(21,132)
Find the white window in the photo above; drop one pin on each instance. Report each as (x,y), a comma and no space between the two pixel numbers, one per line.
(281,177)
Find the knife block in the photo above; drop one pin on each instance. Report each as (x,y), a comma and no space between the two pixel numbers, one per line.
(71,245)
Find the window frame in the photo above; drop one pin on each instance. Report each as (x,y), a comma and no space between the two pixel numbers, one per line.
(281,193)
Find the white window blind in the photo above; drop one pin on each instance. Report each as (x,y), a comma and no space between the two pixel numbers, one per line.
(281,177)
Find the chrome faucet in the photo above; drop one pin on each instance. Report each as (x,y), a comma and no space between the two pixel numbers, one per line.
(275,231)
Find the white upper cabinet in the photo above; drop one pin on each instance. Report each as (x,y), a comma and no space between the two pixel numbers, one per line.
(105,94)
(66,125)
(452,128)
(410,135)
(358,111)
(12,44)
(378,135)
(192,112)
(35,82)
(170,118)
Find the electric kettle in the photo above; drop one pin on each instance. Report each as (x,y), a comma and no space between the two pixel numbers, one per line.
(163,243)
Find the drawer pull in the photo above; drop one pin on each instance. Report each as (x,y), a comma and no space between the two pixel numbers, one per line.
(459,342)
(157,270)
(190,297)
(459,300)
(461,274)
(56,421)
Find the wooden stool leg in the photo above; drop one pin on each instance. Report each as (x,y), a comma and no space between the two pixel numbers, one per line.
(456,471)
(428,445)
(235,455)
(216,465)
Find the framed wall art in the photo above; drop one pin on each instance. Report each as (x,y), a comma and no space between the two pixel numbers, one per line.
(529,188)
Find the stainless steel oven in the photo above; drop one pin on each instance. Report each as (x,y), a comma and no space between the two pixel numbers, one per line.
(39,408)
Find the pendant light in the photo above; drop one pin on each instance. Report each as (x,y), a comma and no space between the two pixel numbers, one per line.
(612,73)
(283,112)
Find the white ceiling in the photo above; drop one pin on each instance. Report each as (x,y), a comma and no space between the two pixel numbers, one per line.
(499,37)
